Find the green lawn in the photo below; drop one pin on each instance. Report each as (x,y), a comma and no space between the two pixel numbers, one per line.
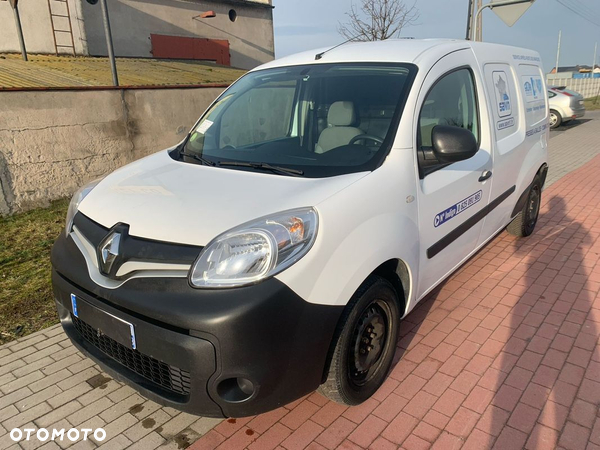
(26,303)
(590,105)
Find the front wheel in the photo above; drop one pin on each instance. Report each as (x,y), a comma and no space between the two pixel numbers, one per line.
(364,345)
(524,223)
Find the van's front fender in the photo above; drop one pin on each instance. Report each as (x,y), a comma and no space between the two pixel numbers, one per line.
(370,222)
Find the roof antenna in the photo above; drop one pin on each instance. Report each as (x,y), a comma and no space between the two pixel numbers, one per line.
(319,56)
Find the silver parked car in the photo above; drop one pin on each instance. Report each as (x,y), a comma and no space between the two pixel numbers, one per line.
(565,105)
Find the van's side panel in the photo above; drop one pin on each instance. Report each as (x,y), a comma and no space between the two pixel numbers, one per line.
(519,124)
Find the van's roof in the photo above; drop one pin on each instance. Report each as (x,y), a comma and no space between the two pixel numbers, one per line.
(392,50)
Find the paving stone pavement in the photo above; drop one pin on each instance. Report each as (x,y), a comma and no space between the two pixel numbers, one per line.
(505,355)
(572,145)
(45,382)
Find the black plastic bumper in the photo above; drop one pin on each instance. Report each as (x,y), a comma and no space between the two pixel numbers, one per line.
(263,333)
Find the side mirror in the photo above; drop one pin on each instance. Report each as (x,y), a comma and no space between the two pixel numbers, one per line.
(452,144)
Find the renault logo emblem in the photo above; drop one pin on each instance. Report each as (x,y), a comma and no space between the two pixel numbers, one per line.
(109,251)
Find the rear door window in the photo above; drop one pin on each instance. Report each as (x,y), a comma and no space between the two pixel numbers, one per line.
(533,90)
(502,89)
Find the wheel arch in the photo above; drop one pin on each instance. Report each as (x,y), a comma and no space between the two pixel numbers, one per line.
(542,172)
(398,274)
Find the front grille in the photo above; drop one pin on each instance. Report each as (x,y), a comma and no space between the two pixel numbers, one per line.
(166,376)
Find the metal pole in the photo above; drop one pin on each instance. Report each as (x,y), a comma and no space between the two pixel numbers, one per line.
(558,50)
(479,35)
(20,32)
(593,67)
(109,43)
(492,6)
(469,19)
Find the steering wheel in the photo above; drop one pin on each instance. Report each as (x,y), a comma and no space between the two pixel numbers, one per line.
(366,137)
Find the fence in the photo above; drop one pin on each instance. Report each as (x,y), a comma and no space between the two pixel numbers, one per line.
(588,87)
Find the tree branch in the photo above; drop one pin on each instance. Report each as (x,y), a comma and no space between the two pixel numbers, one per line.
(375,20)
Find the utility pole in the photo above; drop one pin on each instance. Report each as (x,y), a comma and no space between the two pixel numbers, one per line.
(558,50)
(479,26)
(109,43)
(15,7)
(595,53)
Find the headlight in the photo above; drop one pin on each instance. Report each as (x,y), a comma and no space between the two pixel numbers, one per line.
(76,200)
(256,250)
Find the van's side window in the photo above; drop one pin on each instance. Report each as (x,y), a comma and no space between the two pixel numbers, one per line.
(451,101)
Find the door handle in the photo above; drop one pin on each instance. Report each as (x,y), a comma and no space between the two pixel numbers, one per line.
(487,174)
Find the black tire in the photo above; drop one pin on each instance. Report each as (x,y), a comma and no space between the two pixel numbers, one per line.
(555,119)
(524,223)
(370,323)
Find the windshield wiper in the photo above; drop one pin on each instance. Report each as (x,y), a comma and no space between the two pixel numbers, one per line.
(262,166)
(204,161)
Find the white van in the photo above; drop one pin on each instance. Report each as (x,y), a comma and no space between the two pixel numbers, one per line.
(317,201)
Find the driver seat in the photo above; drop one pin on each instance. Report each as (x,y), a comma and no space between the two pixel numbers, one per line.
(340,132)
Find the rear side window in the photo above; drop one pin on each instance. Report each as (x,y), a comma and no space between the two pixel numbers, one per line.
(533,90)
(451,101)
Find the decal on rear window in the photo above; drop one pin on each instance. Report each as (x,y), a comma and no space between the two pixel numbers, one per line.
(502,93)
(456,209)
(533,87)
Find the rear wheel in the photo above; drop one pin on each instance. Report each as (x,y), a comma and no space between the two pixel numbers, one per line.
(555,119)
(365,344)
(524,223)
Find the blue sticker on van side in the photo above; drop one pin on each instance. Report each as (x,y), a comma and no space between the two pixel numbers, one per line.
(455,210)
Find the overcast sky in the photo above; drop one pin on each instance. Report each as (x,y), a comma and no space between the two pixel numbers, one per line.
(307,24)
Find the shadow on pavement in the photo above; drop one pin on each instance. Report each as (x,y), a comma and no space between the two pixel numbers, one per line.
(549,339)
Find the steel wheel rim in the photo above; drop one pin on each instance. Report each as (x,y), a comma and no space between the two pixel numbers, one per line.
(553,119)
(370,342)
(533,207)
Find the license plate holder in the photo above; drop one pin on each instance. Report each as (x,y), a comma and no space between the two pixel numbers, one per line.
(104,323)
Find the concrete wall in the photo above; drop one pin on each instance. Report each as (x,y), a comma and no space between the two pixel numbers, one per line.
(250,36)
(37,28)
(53,142)
(588,87)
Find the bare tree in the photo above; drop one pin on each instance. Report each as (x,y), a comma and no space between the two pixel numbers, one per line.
(377,20)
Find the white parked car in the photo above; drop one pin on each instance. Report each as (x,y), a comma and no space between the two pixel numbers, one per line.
(315,203)
(565,105)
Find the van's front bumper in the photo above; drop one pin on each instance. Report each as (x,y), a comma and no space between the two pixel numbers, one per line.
(200,341)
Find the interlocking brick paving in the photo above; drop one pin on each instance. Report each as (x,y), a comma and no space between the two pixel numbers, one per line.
(573,145)
(503,355)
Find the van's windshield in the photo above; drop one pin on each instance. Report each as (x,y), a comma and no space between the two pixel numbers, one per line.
(314,120)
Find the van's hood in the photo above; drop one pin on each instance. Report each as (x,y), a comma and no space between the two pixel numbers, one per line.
(167,200)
